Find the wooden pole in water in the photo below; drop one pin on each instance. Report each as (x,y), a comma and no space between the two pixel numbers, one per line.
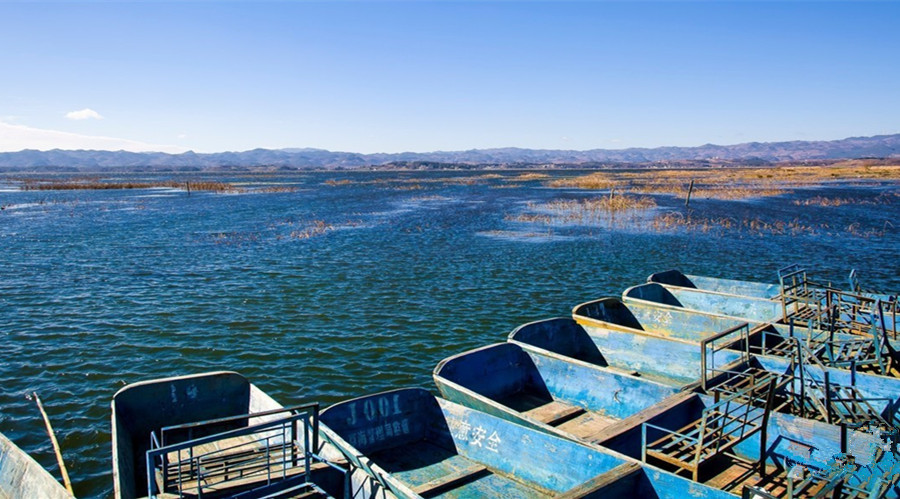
(59,459)
(690,190)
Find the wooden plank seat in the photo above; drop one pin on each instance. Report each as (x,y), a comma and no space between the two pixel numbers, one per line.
(555,413)
(451,480)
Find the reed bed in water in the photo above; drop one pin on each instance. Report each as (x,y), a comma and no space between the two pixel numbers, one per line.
(583,210)
(728,183)
(206,186)
(527,176)
(604,204)
(69,185)
(882,199)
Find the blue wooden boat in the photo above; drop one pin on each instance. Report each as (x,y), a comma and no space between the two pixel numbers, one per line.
(810,391)
(831,310)
(548,393)
(794,298)
(22,476)
(215,435)
(737,306)
(832,349)
(754,289)
(720,442)
(417,445)
(717,285)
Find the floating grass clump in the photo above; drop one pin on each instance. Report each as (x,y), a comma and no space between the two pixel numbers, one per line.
(317,228)
(881,199)
(755,226)
(524,177)
(596,180)
(583,210)
(605,204)
(529,218)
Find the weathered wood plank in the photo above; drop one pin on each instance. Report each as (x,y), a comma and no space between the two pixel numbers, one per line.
(641,417)
(451,480)
(555,412)
(600,481)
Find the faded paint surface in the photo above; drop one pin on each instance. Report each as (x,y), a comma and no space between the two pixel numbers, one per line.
(22,476)
(744,307)
(541,463)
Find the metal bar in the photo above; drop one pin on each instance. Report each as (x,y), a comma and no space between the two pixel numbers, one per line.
(180,490)
(227,434)
(150,481)
(644,442)
(190,426)
(315,427)
(770,400)
(306,451)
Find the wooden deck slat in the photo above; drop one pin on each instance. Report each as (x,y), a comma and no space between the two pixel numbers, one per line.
(451,480)
(555,412)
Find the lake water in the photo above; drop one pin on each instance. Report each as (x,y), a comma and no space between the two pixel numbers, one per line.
(351,284)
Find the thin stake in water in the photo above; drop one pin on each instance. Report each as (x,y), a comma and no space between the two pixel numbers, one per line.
(59,458)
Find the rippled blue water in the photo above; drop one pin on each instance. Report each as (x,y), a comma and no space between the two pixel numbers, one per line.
(104,288)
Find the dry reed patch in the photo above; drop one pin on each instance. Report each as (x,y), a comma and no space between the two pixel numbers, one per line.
(711,192)
(525,177)
(333,182)
(881,199)
(70,185)
(317,228)
(274,189)
(605,204)
(529,218)
(728,183)
(596,180)
(584,210)
(755,226)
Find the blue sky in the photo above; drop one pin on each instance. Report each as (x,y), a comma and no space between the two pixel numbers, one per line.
(421,76)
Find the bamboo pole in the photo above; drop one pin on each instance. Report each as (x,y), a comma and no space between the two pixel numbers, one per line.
(59,458)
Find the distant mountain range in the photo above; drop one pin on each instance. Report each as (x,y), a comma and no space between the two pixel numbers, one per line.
(751,153)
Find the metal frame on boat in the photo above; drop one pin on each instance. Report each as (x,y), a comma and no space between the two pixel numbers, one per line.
(721,441)
(215,435)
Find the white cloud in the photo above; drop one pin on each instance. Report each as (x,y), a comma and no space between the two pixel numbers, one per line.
(84,114)
(18,137)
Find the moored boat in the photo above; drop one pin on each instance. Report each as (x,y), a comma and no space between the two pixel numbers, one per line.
(807,390)
(795,298)
(546,393)
(418,445)
(717,441)
(724,286)
(845,351)
(215,435)
(22,476)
